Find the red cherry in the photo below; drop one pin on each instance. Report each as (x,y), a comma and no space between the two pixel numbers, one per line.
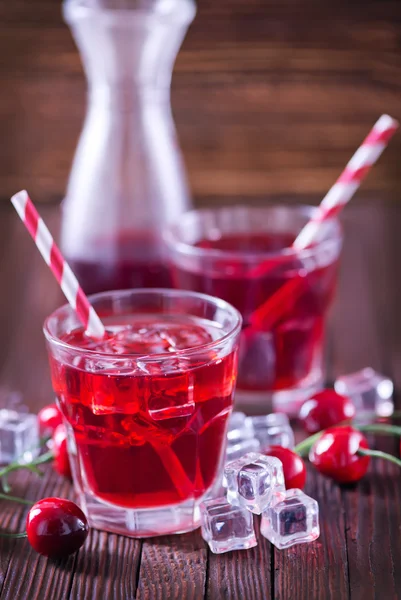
(61,462)
(325,409)
(56,527)
(293,466)
(335,454)
(49,417)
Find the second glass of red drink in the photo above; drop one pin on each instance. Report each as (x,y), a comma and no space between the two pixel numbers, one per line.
(244,256)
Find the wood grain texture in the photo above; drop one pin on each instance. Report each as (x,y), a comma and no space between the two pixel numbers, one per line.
(318,570)
(238,575)
(363,334)
(269,98)
(173,567)
(359,551)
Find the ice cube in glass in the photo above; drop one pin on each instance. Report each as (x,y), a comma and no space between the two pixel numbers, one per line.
(255,482)
(370,392)
(294,520)
(226,527)
(19,436)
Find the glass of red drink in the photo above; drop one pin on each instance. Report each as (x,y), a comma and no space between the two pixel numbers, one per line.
(146,408)
(244,256)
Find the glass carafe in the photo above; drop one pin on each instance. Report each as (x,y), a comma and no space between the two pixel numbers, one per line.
(128,179)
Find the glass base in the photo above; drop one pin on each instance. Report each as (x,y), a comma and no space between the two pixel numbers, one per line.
(287,401)
(140,523)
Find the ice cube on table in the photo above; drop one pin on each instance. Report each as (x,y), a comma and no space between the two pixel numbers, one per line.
(19,436)
(272,430)
(255,482)
(238,427)
(12,400)
(226,527)
(240,448)
(294,520)
(370,392)
(240,439)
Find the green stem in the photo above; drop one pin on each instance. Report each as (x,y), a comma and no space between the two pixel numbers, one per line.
(303,447)
(379,454)
(380,428)
(13,535)
(15,466)
(15,499)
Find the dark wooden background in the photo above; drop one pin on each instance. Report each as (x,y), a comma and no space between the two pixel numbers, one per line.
(270,97)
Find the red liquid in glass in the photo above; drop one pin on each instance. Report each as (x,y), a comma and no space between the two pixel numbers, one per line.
(279,354)
(127,263)
(148,438)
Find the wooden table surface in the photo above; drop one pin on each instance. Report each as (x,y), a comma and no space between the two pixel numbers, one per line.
(358,554)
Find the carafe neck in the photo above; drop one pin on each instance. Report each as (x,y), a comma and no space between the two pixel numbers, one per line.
(128,48)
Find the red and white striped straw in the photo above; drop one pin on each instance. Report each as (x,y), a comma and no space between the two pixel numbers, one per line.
(334,201)
(350,179)
(58,265)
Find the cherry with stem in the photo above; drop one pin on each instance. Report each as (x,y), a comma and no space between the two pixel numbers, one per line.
(379,428)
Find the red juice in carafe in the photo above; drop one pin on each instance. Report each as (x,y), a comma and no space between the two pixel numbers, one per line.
(279,353)
(147,434)
(128,262)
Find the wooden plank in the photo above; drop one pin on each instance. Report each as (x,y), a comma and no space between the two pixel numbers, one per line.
(242,574)
(107,567)
(318,570)
(359,339)
(268,97)
(173,567)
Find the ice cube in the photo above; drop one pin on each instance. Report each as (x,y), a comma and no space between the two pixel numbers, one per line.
(294,520)
(240,448)
(171,394)
(239,428)
(255,481)
(370,392)
(226,527)
(272,430)
(19,436)
(12,400)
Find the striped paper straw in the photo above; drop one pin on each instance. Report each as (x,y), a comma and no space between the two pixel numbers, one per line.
(58,265)
(350,179)
(336,198)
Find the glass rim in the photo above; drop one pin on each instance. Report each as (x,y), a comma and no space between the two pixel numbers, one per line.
(171,238)
(68,311)
(78,9)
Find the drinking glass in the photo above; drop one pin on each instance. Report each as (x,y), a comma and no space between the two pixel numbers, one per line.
(244,256)
(146,408)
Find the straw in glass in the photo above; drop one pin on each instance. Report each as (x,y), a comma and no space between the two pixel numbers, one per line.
(332,204)
(58,265)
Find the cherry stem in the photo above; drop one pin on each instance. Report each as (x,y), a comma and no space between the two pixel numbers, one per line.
(380,428)
(303,447)
(379,454)
(14,466)
(32,466)
(15,499)
(13,535)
